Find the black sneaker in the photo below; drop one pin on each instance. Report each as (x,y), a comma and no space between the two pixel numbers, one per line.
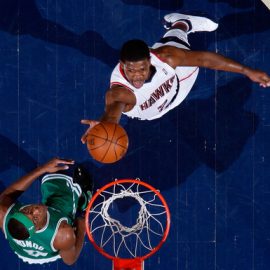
(85,181)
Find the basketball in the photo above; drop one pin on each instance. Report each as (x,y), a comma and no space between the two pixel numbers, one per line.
(107,142)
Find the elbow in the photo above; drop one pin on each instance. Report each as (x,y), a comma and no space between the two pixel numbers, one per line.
(70,258)
(70,261)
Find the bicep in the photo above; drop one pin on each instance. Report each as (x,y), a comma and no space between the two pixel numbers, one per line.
(182,57)
(173,56)
(188,58)
(65,243)
(120,94)
(68,242)
(204,59)
(5,203)
(118,99)
(114,101)
(2,215)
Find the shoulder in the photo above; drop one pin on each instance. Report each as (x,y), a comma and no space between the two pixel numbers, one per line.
(118,91)
(3,212)
(65,237)
(118,88)
(5,209)
(170,55)
(166,51)
(120,94)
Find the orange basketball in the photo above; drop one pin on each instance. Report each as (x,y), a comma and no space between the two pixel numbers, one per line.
(107,142)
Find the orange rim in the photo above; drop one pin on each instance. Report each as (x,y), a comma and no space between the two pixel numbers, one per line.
(135,181)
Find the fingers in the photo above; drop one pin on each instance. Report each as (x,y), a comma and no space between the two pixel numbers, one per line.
(265,80)
(265,83)
(91,123)
(260,77)
(57,164)
(60,168)
(63,161)
(86,122)
(62,164)
(84,137)
(66,161)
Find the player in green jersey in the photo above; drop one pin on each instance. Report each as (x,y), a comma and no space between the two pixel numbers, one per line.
(45,232)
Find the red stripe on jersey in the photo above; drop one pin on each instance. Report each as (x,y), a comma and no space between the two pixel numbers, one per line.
(120,84)
(189,75)
(122,72)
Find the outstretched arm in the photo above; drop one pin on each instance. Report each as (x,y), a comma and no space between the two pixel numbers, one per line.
(219,62)
(117,100)
(179,57)
(69,241)
(12,192)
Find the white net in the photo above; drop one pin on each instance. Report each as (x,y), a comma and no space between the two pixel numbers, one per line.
(128,220)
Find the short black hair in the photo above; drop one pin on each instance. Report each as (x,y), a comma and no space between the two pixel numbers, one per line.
(17,230)
(134,50)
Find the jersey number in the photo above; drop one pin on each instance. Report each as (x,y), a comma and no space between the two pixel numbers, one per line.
(35,253)
(161,107)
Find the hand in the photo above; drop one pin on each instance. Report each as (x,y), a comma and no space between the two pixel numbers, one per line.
(260,77)
(91,124)
(57,164)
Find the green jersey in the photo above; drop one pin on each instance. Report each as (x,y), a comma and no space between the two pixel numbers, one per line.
(61,196)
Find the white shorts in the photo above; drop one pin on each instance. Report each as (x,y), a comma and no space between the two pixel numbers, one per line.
(174,34)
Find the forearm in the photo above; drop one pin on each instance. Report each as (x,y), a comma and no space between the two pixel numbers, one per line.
(18,187)
(80,233)
(113,112)
(22,184)
(220,62)
(110,118)
(71,255)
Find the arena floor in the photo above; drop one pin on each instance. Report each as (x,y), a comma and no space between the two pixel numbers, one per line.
(210,157)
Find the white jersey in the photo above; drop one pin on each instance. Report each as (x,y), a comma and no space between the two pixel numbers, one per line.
(161,93)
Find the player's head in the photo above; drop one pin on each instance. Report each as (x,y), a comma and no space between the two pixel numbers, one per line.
(134,50)
(25,222)
(135,61)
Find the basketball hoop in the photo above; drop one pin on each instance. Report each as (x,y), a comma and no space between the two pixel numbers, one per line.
(127,221)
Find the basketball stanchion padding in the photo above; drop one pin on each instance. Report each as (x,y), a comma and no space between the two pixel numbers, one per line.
(127,221)
(124,264)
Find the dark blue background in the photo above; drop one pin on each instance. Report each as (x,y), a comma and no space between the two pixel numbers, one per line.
(209,157)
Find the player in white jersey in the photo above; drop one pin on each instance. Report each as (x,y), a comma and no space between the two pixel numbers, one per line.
(161,92)
(147,83)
